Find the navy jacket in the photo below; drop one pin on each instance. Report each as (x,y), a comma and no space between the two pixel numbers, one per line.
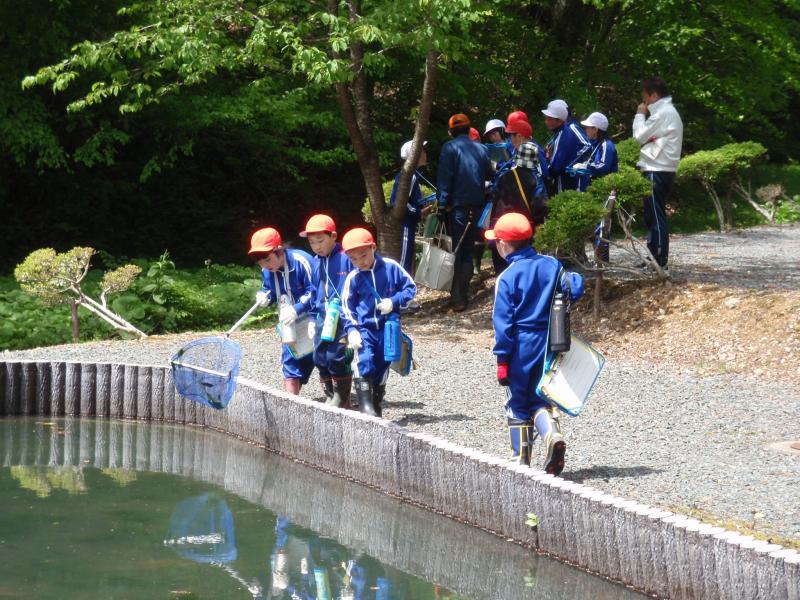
(568,145)
(413,208)
(464,167)
(297,271)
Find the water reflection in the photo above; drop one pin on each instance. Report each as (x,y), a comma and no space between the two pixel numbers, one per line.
(332,538)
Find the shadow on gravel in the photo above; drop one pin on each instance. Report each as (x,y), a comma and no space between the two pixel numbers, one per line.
(425,419)
(606,473)
(406,404)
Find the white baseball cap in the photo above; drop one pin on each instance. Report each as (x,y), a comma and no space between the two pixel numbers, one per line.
(596,119)
(405,149)
(494,124)
(557,109)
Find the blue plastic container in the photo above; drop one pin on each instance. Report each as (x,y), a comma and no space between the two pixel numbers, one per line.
(392,339)
(331,322)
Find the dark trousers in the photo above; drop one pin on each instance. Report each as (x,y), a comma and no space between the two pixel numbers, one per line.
(655,214)
(463,230)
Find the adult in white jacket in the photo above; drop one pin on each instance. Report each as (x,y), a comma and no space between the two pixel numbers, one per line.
(660,135)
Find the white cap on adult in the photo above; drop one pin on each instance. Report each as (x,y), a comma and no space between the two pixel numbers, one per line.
(405,149)
(494,124)
(556,109)
(596,119)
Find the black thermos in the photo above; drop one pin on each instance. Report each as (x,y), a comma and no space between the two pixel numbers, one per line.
(559,323)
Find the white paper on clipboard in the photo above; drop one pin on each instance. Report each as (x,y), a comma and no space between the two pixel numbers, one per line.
(570,376)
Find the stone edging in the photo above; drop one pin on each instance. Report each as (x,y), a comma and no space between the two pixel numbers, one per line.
(654,551)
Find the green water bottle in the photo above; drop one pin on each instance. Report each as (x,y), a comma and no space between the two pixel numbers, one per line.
(331,323)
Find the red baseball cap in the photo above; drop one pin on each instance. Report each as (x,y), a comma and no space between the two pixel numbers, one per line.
(265,240)
(517,115)
(510,227)
(521,127)
(458,120)
(357,238)
(474,135)
(319,224)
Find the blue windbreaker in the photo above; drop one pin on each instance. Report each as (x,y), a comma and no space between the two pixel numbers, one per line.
(363,290)
(413,208)
(602,161)
(568,145)
(297,272)
(464,167)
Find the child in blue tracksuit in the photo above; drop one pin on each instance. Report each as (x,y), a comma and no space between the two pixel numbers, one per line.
(603,157)
(414,208)
(286,278)
(376,289)
(329,271)
(567,146)
(521,316)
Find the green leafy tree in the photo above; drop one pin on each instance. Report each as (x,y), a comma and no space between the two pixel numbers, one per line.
(720,172)
(345,46)
(56,278)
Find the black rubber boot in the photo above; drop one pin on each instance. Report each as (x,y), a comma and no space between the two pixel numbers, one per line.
(365,396)
(340,395)
(379,392)
(521,434)
(327,387)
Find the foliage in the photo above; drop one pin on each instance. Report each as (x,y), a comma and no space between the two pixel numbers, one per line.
(628,152)
(531,520)
(571,220)
(628,183)
(366,209)
(721,168)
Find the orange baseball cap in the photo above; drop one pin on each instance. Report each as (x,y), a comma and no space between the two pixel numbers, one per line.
(265,240)
(510,227)
(521,127)
(319,224)
(458,120)
(357,238)
(517,115)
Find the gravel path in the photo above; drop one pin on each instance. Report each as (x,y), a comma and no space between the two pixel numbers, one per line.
(706,444)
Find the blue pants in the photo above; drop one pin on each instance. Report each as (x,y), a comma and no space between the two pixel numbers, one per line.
(407,247)
(655,214)
(370,364)
(332,359)
(296,368)
(525,368)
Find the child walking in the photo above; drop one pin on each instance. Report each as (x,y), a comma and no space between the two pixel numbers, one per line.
(286,278)
(330,267)
(374,291)
(521,316)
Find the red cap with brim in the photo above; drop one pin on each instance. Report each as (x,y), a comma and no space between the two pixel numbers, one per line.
(357,238)
(319,224)
(265,240)
(458,120)
(510,227)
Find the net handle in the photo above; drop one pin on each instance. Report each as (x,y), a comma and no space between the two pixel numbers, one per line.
(243,319)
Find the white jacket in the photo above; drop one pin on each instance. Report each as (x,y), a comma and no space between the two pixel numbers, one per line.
(660,137)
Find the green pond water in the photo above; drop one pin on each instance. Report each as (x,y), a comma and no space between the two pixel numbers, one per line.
(126,510)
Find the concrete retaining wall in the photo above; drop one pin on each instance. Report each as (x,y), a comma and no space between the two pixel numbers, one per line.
(660,553)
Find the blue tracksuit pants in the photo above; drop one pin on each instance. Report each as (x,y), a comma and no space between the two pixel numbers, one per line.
(370,364)
(525,369)
(332,359)
(296,368)
(655,214)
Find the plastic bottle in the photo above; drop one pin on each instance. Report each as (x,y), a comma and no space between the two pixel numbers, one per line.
(331,322)
(288,332)
(392,341)
(559,324)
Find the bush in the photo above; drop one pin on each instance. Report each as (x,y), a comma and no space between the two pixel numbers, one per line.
(571,220)
(629,184)
(628,153)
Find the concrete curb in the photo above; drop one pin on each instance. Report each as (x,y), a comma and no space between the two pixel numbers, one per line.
(659,553)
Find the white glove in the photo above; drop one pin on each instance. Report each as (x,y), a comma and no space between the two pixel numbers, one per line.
(385,306)
(262,297)
(580,166)
(312,329)
(354,339)
(287,315)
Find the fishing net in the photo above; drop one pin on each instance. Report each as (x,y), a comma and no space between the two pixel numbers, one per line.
(201,529)
(205,370)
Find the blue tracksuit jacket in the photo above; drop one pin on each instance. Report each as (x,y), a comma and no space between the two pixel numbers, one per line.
(464,166)
(602,161)
(410,220)
(297,273)
(568,145)
(361,294)
(328,276)
(521,317)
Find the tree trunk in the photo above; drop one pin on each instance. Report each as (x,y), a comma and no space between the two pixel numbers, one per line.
(76,327)
(717,205)
(728,210)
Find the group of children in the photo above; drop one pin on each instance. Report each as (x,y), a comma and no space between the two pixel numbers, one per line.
(350,279)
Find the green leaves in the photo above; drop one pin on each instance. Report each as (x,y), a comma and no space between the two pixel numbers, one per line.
(571,220)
